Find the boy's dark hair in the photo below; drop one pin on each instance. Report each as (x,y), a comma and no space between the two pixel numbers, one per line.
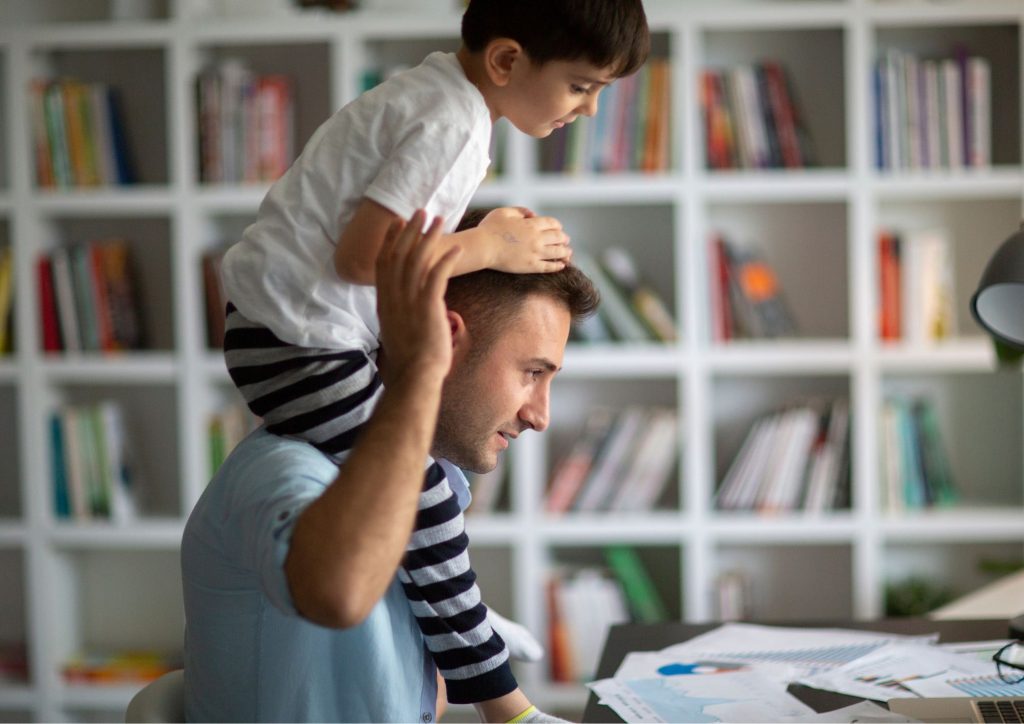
(603,32)
(489,300)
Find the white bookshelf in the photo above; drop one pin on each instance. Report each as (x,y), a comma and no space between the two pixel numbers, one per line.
(70,586)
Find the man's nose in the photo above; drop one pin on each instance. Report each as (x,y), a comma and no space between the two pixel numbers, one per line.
(535,414)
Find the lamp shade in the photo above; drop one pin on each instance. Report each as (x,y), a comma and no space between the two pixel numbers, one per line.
(998,304)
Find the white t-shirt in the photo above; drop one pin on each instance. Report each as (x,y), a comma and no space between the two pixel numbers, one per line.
(421,139)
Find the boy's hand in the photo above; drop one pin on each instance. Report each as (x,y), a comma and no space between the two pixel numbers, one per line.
(411,280)
(521,242)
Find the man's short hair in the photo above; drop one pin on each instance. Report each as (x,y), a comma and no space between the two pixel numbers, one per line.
(490,300)
(602,32)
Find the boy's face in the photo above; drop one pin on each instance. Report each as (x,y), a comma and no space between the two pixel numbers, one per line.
(543,97)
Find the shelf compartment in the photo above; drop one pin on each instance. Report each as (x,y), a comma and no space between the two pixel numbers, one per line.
(974,227)
(384,55)
(98,594)
(151,265)
(783,582)
(150,418)
(814,59)
(138,74)
(645,232)
(11,506)
(986,471)
(741,404)
(617,417)
(306,65)
(14,623)
(950,569)
(789,237)
(997,42)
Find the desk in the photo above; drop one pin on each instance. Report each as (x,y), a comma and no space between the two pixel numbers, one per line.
(651,637)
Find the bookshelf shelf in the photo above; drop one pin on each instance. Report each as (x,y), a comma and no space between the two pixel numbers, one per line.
(136,367)
(151,533)
(817,227)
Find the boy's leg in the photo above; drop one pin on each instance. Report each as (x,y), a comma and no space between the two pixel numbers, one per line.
(324,397)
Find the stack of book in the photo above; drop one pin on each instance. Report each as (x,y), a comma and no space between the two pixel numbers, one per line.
(915,469)
(6,300)
(752,119)
(630,131)
(621,461)
(631,310)
(932,113)
(78,135)
(746,298)
(227,427)
(246,125)
(88,300)
(583,603)
(795,459)
(93,478)
(917,295)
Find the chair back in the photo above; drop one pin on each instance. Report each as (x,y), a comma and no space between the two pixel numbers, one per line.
(161,700)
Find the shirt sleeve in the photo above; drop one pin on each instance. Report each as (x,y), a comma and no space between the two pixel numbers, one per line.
(267,505)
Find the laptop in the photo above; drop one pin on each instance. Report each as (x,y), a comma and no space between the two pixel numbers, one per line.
(961,709)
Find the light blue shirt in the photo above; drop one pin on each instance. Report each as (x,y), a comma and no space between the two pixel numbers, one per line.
(249,655)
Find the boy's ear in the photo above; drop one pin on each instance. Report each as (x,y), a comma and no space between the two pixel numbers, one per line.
(500,55)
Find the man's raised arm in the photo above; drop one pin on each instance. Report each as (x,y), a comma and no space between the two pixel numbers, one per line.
(347,545)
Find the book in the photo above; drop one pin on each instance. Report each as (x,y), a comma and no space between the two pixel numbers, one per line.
(571,472)
(645,303)
(6,299)
(645,603)
(65,294)
(52,341)
(615,309)
(215,298)
(58,463)
(651,464)
(889,273)
(610,461)
(757,306)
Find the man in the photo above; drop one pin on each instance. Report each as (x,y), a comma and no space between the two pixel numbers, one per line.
(294,611)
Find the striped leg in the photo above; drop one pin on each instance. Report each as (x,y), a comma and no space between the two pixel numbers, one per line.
(324,397)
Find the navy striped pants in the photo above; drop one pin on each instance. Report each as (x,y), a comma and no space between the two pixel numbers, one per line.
(324,397)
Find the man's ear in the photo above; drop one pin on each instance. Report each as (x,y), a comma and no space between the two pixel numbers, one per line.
(460,335)
(500,55)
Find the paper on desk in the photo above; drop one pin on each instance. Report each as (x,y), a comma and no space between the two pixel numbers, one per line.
(654,664)
(892,670)
(730,697)
(810,649)
(866,712)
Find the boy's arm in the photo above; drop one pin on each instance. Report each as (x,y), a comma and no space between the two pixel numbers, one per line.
(508,239)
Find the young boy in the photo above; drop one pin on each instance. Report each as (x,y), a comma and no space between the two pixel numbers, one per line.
(302,330)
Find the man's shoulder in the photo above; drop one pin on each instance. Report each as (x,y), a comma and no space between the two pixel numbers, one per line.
(262,455)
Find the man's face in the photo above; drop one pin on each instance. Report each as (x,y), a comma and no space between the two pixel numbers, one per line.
(489,398)
(549,96)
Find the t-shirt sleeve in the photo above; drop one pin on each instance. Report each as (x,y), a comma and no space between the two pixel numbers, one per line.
(419,165)
(269,505)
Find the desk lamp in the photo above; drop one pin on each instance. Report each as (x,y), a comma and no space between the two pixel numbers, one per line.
(998,304)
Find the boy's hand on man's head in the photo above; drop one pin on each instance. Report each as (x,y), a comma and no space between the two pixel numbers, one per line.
(411,278)
(522,242)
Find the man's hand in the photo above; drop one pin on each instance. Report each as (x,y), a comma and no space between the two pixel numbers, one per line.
(521,242)
(412,272)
